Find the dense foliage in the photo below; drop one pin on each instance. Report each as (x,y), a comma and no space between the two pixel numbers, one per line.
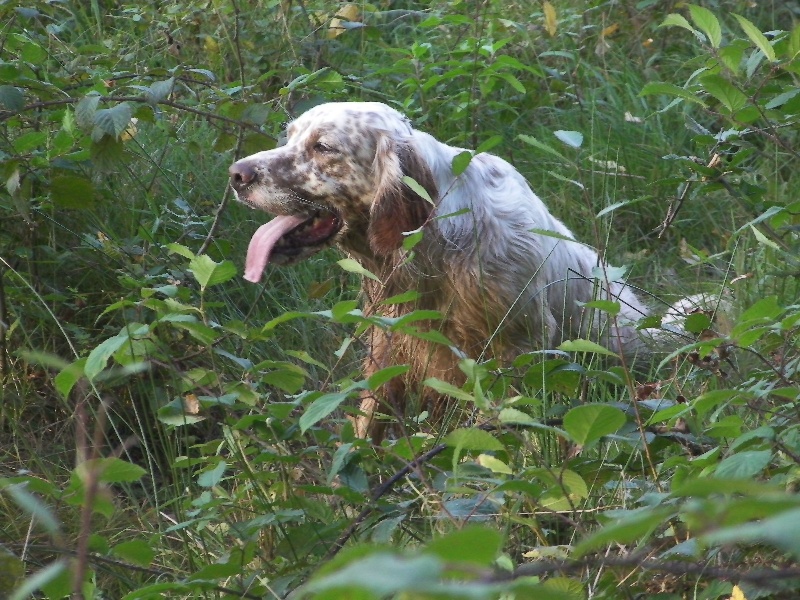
(167,430)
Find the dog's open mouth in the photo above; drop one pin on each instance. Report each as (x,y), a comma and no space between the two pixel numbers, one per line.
(287,237)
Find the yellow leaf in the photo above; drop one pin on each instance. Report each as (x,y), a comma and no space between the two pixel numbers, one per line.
(737,594)
(610,30)
(550,24)
(211,45)
(349,12)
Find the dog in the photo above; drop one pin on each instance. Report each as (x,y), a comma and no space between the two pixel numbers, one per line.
(506,276)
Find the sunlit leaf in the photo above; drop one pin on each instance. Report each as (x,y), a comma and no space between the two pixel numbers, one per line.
(588,423)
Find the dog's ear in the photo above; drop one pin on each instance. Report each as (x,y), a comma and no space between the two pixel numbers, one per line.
(396,207)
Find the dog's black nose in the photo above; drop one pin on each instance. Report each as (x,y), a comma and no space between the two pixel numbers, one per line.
(242,173)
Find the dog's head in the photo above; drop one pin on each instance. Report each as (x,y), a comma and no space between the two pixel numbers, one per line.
(338,179)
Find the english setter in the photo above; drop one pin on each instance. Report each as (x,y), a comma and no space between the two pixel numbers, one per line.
(502,286)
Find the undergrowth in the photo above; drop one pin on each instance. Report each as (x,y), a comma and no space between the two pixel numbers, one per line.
(170,431)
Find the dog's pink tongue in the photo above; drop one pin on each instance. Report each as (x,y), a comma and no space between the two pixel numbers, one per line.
(264,239)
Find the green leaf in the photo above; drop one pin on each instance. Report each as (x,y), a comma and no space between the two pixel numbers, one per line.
(386,374)
(607,306)
(764,240)
(758,38)
(629,527)
(55,578)
(98,357)
(417,188)
(585,346)
(676,20)
(473,439)
(113,121)
(353,266)
(159,91)
(382,574)
(782,531)
(86,109)
(744,465)
(461,162)
(207,272)
(137,552)
(570,138)
(213,476)
(656,88)
(11,98)
(488,144)
(72,192)
(110,470)
(448,389)
(532,141)
(12,570)
(321,408)
(708,23)
(724,91)
(472,544)
(588,423)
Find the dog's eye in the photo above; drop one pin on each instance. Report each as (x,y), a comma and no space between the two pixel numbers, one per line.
(323,148)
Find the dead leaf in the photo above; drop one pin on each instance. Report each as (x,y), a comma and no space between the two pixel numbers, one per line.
(550,22)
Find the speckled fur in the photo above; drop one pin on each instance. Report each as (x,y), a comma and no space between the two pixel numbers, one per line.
(500,288)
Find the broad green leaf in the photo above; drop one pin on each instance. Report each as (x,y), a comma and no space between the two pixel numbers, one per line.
(566,490)
(724,91)
(159,91)
(585,346)
(110,470)
(668,89)
(11,98)
(495,465)
(461,162)
(626,528)
(708,23)
(676,20)
(782,531)
(607,306)
(473,439)
(353,266)
(448,389)
(98,357)
(207,272)
(417,188)
(588,423)
(113,121)
(744,465)
(382,574)
(86,109)
(387,373)
(758,38)
(213,476)
(137,552)
(321,408)
(472,544)
(570,138)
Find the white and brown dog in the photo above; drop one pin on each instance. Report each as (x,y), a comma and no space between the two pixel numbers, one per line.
(501,286)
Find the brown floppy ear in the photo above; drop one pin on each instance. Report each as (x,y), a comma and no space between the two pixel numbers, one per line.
(396,207)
